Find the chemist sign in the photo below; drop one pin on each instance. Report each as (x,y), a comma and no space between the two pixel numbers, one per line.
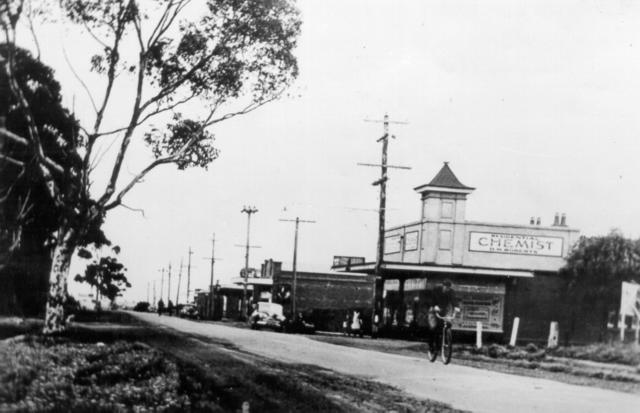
(515,244)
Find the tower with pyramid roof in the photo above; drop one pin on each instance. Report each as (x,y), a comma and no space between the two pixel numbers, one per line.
(444,198)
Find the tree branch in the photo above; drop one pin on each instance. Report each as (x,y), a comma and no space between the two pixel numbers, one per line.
(75,74)
(135,116)
(151,114)
(15,138)
(140,210)
(11,160)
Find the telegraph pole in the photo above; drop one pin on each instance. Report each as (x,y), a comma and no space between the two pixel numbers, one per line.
(169,284)
(212,260)
(382,182)
(179,280)
(294,279)
(161,283)
(147,291)
(248,211)
(154,293)
(189,274)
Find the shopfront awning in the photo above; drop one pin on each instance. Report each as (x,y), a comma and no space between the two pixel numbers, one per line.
(389,268)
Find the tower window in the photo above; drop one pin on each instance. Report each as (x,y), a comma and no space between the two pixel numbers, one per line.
(447,209)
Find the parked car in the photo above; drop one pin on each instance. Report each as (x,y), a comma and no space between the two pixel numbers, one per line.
(268,315)
(142,306)
(189,311)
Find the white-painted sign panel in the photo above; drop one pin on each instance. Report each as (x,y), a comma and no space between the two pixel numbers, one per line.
(411,241)
(515,244)
(392,244)
(630,299)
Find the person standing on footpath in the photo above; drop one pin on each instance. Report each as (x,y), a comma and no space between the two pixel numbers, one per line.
(160,307)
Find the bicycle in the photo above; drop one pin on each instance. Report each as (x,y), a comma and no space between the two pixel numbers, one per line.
(444,346)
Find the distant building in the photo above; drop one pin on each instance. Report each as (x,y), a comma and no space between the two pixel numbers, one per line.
(325,298)
(499,271)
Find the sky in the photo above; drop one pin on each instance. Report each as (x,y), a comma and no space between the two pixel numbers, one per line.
(531,102)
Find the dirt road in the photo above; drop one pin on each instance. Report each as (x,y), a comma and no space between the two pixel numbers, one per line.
(463,387)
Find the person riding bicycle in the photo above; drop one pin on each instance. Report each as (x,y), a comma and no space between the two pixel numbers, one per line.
(445,304)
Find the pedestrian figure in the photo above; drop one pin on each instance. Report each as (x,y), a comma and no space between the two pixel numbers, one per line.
(356,324)
(345,325)
(160,307)
(375,326)
(170,307)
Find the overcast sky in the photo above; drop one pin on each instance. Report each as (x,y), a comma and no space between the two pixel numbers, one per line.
(534,103)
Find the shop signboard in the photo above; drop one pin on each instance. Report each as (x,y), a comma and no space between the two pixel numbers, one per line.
(411,241)
(392,244)
(484,303)
(520,244)
(410,284)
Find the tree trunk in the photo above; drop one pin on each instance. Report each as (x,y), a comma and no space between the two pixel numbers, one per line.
(55,321)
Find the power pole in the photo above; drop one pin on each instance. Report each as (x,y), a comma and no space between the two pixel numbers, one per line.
(169,284)
(154,293)
(212,261)
(249,211)
(294,278)
(147,291)
(189,274)
(179,280)
(378,283)
(161,283)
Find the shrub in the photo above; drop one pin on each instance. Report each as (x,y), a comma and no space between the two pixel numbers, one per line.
(495,351)
(62,376)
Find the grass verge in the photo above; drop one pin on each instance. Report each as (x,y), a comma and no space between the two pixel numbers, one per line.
(128,366)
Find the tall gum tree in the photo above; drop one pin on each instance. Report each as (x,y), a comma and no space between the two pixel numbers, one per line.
(236,56)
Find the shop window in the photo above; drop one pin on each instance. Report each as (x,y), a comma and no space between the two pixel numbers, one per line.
(447,209)
(445,239)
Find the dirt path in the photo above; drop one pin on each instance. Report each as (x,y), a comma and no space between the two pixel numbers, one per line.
(463,387)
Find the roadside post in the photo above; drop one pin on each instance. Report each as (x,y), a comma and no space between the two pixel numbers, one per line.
(554,333)
(514,331)
(478,334)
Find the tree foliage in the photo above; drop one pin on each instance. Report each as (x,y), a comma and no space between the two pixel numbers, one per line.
(106,274)
(595,269)
(28,216)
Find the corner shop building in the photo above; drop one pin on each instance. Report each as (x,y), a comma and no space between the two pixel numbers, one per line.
(499,271)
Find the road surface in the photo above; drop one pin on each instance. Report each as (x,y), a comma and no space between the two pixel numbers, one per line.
(463,387)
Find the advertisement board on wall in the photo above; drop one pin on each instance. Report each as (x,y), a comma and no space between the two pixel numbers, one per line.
(484,303)
(411,241)
(519,244)
(392,244)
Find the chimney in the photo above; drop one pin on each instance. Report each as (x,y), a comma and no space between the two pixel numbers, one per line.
(532,221)
(538,221)
(563,220)
(556,220)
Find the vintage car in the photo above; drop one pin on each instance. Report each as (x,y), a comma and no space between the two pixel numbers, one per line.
(268,315)
(189,311)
